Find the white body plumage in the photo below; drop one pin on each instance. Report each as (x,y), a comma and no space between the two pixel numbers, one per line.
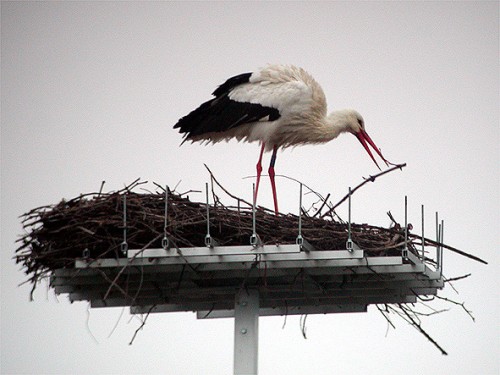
(301,104)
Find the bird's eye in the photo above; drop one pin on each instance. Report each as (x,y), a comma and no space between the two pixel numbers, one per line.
(360,123)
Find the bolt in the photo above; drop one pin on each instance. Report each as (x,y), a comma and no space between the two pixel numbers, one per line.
(244,303)
(243,331)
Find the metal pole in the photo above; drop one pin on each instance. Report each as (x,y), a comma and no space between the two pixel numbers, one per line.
(164,241)
(246,332)
(253,213)
(441,248)
(301,241)
(300,211)
(124,244)
(209,241)
(254,239)
(437,227)
(349,244)
(423,238)
(438,239)
(208,210)
(405,250)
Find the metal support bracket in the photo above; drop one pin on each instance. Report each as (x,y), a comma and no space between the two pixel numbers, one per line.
(349,245)
(304,244)
(255,240)
(165,243)
(301,241)
(209,240)
(405,250)
(440,249)
(423,237)
(124,244)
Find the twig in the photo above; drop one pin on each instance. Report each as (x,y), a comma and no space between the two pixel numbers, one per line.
(100,190)
(299,182)
(459,304)
(88,325)
(303,325)
(449,281)
(455,250)
(112,283)
(125,266)
(370,179)
(457,278)
(389,322)
(224,190)
(142,324)
(286,315)
(209,311)
(318,211)
(422,331)
(117,322)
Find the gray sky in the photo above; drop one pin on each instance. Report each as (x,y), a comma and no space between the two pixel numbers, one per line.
(90,92)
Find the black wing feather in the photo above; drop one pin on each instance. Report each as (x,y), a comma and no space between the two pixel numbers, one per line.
(221,113)
(231,83)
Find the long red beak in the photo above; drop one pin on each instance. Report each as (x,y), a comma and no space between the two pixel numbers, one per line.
(363,137)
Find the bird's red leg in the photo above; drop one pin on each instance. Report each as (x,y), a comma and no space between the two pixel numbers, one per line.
(259,170)
(271,176)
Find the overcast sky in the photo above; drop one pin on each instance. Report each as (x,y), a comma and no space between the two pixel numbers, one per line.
(90,92)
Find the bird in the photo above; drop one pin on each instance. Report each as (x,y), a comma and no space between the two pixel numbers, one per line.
(277,105)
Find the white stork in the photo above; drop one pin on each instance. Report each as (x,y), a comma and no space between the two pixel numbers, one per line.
(279,106)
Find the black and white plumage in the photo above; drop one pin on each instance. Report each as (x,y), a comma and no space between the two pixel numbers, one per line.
(215,118)
(279,106)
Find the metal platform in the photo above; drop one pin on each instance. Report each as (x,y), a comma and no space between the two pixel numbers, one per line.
(206,280)
(271,280)
(246,282)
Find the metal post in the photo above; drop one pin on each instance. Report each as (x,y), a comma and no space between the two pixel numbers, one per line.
(207,237)
(349,244)
(441,248)
(164,241)
(301,241)
(437,227)
(405,250)
(254,238)
(246,332)
(209,241)
(438,240)
(124,244)
(300,213)
(423,238)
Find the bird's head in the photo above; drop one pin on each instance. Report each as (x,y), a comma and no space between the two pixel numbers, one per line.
(353,123)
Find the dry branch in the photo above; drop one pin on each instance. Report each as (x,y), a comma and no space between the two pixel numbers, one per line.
(369,179)
(418,326)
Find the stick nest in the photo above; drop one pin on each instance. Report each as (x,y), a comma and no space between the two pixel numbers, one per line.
(92,225)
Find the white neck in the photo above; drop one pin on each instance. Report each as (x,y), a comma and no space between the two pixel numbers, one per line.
(321,128)
(338,122)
